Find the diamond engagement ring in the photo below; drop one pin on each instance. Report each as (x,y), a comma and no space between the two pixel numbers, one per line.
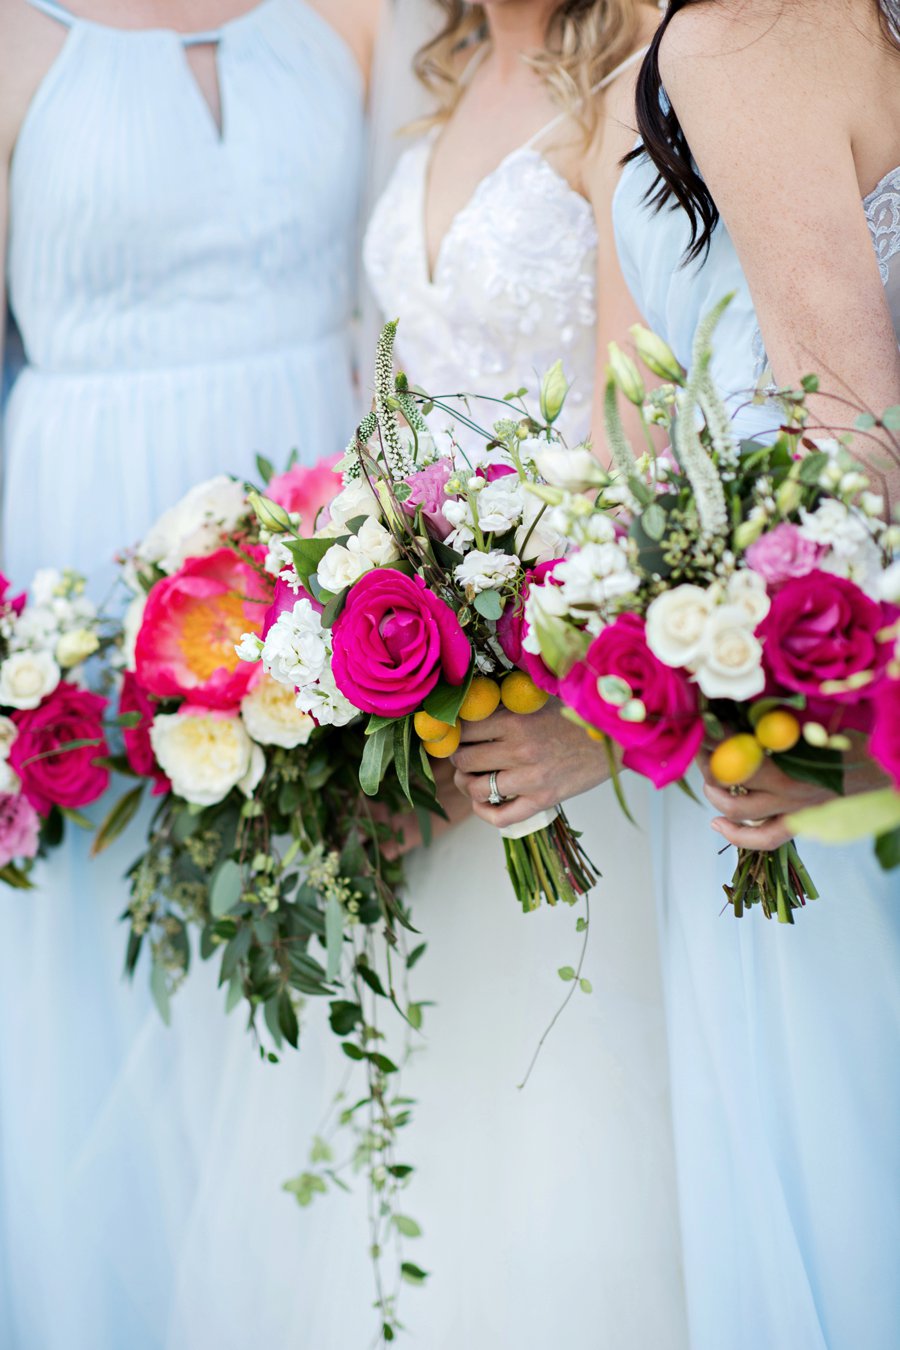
(495,797)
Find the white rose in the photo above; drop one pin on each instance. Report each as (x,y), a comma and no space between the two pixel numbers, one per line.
(341,567)
(356,499)
(889,584)
(75,647)
(676,623)
(729,664)
(575,470)
(747,590)
(272,717)
(206,755)
(539,540)
(194,525)
(486,571)
(26,678)
(296,651)
(9,781)
(376,543)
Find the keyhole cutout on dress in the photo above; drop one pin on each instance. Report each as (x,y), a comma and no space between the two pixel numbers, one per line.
(203,64)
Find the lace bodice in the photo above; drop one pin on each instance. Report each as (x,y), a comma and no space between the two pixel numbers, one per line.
(513,287)
(883,214)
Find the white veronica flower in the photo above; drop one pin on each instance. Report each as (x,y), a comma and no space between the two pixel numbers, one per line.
(206,754)
(26,678)
(296,651)
(486,571)
(271,715)
(193,526)
(596,574)
(676,624)
(729,664)
(575,470)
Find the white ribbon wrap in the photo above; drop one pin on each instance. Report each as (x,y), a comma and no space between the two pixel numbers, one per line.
(531,825)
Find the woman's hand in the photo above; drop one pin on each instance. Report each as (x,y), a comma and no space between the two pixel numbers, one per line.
(540,759)
(457,807)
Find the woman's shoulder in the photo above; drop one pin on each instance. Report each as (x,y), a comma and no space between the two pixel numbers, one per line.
(29,44)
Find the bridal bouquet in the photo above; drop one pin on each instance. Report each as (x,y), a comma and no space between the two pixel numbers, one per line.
(403,606)
(52,739)
(739,593)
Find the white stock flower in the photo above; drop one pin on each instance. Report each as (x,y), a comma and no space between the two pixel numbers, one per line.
(194,525)
(849,538)
(458,514)
(325,702)
(729,664)
(26,678)
(575,470)
(500,505)
(296,651)
(46,586)
(539,539)
(545,605)
(486,571)
(75,647)
(206,754)
(747,590)
(596,574)
(356,499)
(272,717)
(250,647)
(279,558)
(676,624)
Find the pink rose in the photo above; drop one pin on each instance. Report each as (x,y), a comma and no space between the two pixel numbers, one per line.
(491,472)
(8,603)
(283,601)
(662,746)
(191,624)
(783,553)
(138,750)
(51,775)
(512,627)
(822,627)
(393,641)
(427,491)
(305,489)
(884,743)
(20,828)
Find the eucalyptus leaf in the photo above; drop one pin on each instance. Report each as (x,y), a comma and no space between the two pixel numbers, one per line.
(225,888)
(334,937)
(118,820)
(653,519)
(160,991)
(489,605)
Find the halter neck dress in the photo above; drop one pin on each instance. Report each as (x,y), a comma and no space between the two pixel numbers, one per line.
(184,296)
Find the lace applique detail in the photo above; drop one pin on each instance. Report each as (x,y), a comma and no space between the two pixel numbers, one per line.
(883,214)
(513,287)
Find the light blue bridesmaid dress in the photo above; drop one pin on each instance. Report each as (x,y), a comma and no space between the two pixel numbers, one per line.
(784,1041)
(184,298)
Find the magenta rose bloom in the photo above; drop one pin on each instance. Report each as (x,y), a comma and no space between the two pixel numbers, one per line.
(192,623)
(820,628)
(491,472)
(664,744)
(10,603)
(884,743)
(138,750)
(512,627)
(783,553)
(427,492)
(20,827)
(71,778)
(393,641)
(305,489)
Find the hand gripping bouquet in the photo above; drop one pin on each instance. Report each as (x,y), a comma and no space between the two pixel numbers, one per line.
(52,739)
(408,603)
(726,592)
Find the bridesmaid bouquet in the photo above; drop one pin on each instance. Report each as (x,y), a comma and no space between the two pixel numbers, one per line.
(404,605)
(737,593)
(52,738)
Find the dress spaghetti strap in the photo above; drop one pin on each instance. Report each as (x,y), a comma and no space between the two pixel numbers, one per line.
(53,11)
(601,84)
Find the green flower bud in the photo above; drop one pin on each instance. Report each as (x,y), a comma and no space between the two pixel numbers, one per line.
(626,375)
(554,388)
(656,354)
(270,515)
(747,533)
(789,496)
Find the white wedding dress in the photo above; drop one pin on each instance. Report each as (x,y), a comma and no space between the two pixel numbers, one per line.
(549,1214)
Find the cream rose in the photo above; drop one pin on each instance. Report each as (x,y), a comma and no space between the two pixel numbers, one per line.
(729,664)
(9,781)
(26,678)
(676,624)
(206,754)
(75,647)
(747,590)
(272,717)
(372,547)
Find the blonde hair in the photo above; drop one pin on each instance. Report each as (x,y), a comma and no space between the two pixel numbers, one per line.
(585,41)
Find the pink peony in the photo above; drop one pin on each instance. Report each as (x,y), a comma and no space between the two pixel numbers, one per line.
(191,624)
(20,827)
(428,493)
(782,554)
(138,750)
(393,641)
(662,746)
(821,628)
(305,489)
(884,744)
(52,775)
(512,627)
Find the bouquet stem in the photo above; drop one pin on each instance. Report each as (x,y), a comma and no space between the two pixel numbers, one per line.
(545,861)
(776,880)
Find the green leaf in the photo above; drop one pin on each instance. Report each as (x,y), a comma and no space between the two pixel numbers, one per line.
(344,1016)
(654,521)
(412,1273)
(225,888)
(408,1227)
(234,995)
(305,1188)
(887,849)
(382,1062)
(890,418)
(415,955)
(864,422)
(14,876)
(334,937)
(127,720)
(334,607)
(160,991)
(566,973)
(414,1016)
(76,817)
(375,723)
(580,925)
(307,554)
(119,818)
(489,604)
(586,986)
(811,468)
(265,469)
(402,734)
(849,818)
(287,1019)
(810,764)
(375,759)
(445,700)
(370,977)
(352,1051)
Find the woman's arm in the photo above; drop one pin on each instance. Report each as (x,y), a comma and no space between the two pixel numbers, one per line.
(358,23)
